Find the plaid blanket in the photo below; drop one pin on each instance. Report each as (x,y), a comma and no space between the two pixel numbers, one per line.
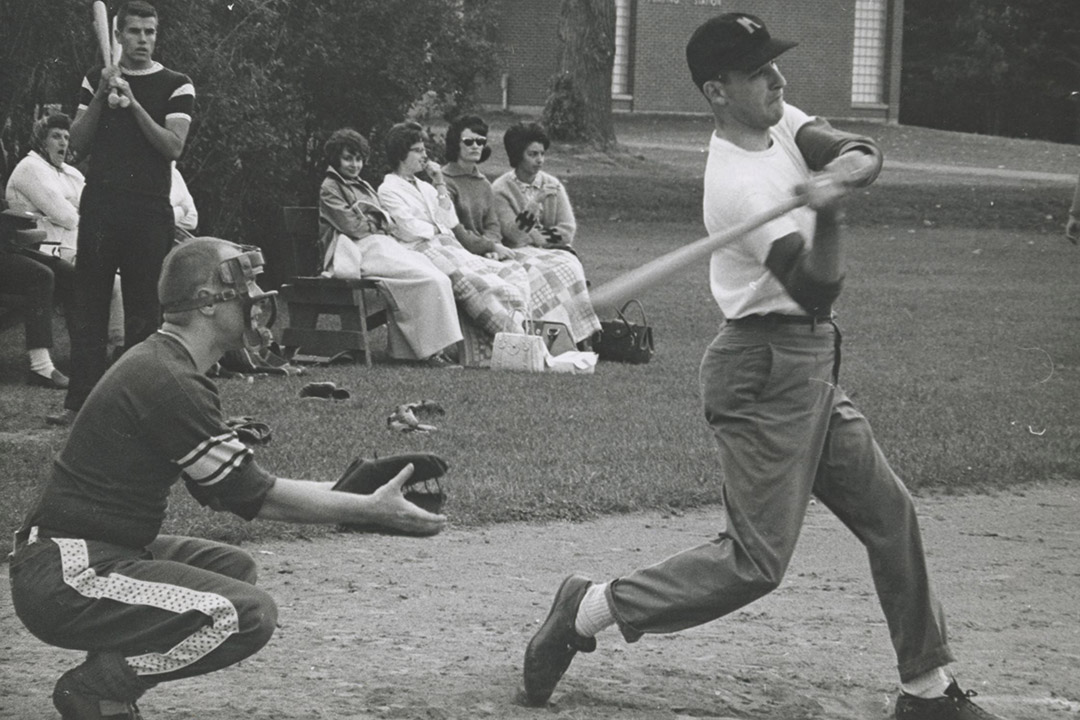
(489,291)
(556,279)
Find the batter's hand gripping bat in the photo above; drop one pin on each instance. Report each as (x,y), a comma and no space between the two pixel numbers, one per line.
(101,30)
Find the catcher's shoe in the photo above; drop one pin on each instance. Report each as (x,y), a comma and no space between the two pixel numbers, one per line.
(556,642)
(956,704)
(74,704)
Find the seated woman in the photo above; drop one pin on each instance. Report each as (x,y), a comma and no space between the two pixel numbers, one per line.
(493,293)
(556,278)
(532,205)
(42,279)
(423,321)
(45,184)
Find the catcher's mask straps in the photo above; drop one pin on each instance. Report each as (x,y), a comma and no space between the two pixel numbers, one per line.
(238,273)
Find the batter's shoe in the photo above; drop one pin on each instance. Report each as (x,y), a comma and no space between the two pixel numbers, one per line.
(556,642)
(956,704)
(74,704)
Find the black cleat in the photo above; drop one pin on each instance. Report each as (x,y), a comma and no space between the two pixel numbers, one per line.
(556,642)
(956,704)
(76,705)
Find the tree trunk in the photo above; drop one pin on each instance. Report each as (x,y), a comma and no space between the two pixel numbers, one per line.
(587,38)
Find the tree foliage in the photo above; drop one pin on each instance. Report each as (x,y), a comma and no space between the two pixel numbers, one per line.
(272,78)
(992,66)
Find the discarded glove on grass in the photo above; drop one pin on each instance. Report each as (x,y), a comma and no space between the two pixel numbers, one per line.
(249,430)
(406,418)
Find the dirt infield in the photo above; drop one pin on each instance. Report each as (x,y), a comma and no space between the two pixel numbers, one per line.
(384,627)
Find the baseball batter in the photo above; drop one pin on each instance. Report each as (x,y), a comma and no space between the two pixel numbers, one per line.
(786,430)
(90,570)
(126,219)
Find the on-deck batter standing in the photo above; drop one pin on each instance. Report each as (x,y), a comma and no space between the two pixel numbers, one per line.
(126,219)
(769,382)
(90,571)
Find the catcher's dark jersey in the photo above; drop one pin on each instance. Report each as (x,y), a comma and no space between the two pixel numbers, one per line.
(152,419)
(121,158)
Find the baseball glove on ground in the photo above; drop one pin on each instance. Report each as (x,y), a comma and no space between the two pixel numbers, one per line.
(364,476)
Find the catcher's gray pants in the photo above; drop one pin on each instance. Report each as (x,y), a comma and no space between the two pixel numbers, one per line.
(787,431)
(181,607)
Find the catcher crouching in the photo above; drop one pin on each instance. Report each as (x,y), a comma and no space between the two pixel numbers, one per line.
(90,570)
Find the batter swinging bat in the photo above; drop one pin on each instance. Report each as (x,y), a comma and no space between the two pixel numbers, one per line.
(101,30)
(616,292)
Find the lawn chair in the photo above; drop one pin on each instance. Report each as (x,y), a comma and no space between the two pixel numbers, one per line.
(357,303)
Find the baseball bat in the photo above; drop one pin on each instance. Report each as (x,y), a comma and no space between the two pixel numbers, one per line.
(614,293)
(101,31)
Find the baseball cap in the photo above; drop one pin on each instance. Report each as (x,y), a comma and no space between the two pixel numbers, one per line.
(732,41)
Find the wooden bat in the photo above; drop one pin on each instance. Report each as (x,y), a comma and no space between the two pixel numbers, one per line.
(101,30)
(614,293)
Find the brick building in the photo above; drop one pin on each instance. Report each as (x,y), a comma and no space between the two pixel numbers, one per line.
(847,64)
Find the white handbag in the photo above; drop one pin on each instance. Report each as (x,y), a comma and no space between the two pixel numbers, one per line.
(343,259)
(518,351)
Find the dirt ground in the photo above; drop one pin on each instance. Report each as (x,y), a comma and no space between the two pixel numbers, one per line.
(389,627)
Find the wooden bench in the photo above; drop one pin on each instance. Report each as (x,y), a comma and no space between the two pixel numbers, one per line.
(357,304)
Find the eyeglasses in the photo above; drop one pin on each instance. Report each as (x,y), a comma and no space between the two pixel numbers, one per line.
(469,142)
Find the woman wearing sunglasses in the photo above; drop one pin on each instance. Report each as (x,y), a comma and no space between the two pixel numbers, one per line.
(555,276)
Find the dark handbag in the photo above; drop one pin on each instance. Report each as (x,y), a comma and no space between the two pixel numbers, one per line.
(623,341)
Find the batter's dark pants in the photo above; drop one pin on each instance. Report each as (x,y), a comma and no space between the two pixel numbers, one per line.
(787,431)
(116,232)
(178,608)
(45,280)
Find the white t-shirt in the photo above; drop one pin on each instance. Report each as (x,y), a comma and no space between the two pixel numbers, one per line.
(740,184)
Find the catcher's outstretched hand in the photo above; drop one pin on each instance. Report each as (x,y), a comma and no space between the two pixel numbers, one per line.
(397,513)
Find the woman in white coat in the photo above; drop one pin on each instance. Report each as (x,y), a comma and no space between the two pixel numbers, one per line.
(494,293)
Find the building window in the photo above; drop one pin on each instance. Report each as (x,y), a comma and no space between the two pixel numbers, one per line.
(620,74)
(868,54)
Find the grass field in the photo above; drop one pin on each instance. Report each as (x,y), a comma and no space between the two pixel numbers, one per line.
(960,318)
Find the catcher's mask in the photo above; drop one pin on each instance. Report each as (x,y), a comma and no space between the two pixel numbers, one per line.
(238,274)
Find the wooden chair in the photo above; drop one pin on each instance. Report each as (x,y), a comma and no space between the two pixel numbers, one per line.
(357,303)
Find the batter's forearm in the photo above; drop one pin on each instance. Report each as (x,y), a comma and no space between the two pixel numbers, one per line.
(165,140)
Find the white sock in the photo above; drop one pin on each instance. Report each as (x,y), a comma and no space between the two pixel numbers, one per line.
(928,685)
(593,614)
(41,362)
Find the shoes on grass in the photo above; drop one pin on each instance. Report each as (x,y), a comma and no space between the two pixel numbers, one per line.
(76,705)
(64,418)
(440,361)
(55,380)
(556,642)
(956,704)
(325,391)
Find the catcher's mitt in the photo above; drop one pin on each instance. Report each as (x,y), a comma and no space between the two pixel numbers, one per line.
(364,476)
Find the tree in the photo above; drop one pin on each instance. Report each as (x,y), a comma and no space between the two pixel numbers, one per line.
(992,66)
(579,106)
